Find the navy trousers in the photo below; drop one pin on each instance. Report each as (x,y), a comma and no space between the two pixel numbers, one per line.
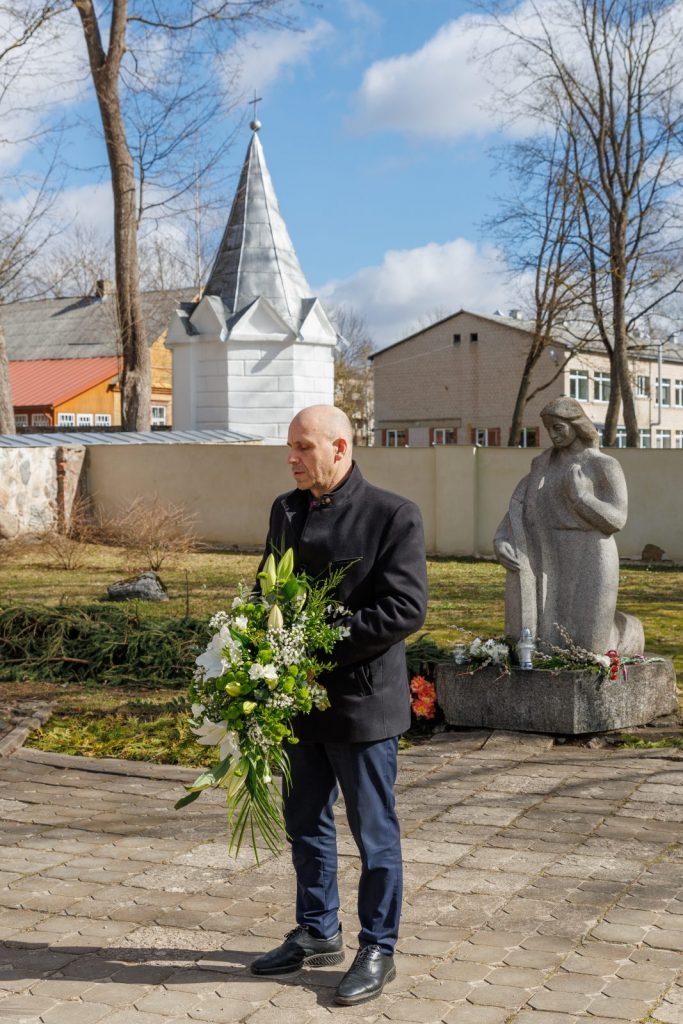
(365,773)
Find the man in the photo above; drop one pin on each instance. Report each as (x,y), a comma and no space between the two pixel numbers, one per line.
(335,518)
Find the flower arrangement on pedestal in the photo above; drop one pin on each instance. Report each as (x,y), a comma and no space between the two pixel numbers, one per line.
(500,651)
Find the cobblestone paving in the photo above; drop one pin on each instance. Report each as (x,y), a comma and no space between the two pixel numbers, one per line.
(544,885)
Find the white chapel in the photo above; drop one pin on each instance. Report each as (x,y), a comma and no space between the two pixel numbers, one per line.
(257,347)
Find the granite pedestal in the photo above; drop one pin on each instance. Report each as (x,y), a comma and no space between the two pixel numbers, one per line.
(563,702)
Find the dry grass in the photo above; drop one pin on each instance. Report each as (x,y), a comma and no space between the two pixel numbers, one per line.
(466,597)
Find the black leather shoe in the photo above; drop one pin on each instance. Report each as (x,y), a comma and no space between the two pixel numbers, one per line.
(366,977)
(300,948)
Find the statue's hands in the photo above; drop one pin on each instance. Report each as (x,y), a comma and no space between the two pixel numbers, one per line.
(506,554)
(577,484)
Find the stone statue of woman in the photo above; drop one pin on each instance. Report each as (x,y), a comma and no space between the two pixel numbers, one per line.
(557,542)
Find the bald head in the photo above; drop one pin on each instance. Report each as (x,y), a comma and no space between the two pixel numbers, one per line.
(320,448)
(327,420)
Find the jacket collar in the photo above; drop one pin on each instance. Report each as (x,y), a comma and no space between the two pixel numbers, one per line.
(295,501)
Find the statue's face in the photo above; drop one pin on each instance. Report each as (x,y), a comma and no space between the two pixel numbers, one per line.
(562,433)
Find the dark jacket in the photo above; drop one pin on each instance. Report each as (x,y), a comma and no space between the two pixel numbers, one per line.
(379,535)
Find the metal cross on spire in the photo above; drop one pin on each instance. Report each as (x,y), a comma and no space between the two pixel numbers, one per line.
(255,123)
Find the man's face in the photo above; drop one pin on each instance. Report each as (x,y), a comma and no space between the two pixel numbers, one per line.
(313,457)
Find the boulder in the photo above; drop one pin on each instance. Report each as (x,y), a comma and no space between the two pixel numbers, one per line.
(145,587)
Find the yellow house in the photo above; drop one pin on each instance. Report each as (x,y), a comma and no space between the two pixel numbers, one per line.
(65,363)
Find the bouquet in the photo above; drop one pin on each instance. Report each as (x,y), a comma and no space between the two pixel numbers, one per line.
(483,653)
(258,671)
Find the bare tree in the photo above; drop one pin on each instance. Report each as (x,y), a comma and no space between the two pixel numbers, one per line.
(7,424)
(23,227)
(154,95)
(352,371)
(537,229)
(607,76)
(74,265)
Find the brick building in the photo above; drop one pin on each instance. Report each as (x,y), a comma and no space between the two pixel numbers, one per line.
(455,382)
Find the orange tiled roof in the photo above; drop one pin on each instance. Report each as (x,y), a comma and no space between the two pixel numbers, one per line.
(49,382)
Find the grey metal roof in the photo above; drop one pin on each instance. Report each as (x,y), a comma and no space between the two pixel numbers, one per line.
(61,438)
(74,328)
(256,256)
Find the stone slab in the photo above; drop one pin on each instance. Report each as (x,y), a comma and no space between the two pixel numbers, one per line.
(565,702)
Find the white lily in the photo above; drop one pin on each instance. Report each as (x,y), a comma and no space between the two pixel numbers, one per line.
(275,620)
(217,734)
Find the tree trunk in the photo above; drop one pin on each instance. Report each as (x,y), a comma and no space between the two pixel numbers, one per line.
(621,367)
(517,422)
(609,438)
(7,424)
(105,68)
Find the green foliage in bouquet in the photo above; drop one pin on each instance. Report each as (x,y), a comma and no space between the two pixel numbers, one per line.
(259,670)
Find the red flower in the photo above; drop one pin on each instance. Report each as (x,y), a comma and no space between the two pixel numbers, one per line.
(614,664)
(423,704)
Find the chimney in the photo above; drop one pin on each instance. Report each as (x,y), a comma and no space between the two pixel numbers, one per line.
(103,288)
(516,314)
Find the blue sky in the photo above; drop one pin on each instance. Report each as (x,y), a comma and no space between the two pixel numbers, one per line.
(383,184)
(377,130)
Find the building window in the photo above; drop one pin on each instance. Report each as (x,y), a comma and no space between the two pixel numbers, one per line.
(678,393)
(578,385)
(642,386)
(529,437)
(601,386)
(485,437)
(621,437)
(457,339)
(679,438)
(21,419)
(102,419)
(40,419)
(662,439)
(66,419)
(474,336)
(442,435)
(394,438)
(644,438)
(84,419)
(665,391)
(158,415)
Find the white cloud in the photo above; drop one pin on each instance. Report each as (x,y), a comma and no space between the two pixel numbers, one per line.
(413,284)
(261,58)
(90,206)
(464,80)
(441,90)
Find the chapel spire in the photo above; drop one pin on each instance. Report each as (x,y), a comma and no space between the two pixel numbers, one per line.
(256,257)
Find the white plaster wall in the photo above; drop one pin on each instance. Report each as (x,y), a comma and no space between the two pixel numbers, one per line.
(463,492)
(268,384)
(184,357)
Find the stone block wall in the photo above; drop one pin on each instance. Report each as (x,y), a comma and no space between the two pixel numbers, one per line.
(37,488)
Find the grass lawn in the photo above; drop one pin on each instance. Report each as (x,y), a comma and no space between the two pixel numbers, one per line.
(145,722)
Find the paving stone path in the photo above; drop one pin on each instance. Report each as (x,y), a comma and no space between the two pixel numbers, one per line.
(544,885)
